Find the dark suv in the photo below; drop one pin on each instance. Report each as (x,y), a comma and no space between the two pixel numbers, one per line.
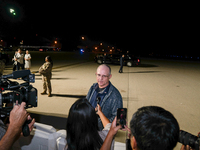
(115,59)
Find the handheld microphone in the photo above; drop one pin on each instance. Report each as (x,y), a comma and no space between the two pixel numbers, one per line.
(98,100)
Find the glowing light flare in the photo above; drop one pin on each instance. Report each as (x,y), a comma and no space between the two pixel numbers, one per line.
(12,10)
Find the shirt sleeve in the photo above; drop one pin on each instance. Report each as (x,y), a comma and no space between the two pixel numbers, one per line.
(107,127)
(104,133)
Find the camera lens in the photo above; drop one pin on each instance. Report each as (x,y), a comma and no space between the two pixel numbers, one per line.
(187,139)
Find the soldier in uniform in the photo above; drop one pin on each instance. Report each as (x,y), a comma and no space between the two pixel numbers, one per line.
(45,71)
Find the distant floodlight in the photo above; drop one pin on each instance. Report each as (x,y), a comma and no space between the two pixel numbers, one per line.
(12,10)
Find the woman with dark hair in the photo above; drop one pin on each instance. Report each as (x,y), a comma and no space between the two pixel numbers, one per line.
(45,71)
(82,127)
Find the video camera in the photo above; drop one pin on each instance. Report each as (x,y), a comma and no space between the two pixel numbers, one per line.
(188,139)
(23,92)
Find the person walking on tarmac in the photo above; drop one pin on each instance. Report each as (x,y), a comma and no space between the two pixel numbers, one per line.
(45,71)
(121,64)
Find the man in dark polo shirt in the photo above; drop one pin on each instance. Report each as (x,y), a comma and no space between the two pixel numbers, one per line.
(109,97)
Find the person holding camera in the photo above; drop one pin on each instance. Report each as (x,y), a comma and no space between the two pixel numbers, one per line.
(151,127)
(82,127)
(19,57)
(17,118)
(45,71)
(105,93)
(14,60)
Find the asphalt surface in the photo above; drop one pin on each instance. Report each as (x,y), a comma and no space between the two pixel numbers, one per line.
(171,84)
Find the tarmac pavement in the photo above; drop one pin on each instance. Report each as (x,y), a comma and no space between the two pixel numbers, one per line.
(173,85)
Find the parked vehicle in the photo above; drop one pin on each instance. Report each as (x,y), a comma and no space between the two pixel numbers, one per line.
(129,60)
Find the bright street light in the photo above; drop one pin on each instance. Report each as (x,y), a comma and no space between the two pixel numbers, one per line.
(12,11)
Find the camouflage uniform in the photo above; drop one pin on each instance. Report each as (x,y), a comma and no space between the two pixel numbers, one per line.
(2,66)
(45,71)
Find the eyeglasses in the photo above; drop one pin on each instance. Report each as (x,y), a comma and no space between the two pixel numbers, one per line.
(99,76)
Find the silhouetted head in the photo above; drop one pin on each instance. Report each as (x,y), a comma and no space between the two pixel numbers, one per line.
(154,128)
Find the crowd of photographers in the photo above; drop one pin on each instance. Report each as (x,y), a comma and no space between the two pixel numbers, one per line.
(151,127)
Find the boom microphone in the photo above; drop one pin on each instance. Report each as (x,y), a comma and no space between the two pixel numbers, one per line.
(17,74)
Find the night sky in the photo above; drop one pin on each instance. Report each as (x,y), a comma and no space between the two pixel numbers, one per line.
(172,28)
